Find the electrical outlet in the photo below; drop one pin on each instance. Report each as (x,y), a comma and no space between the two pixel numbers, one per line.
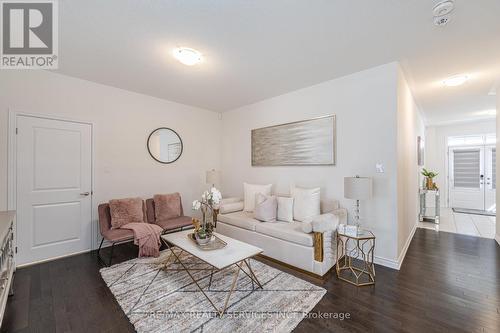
(379,167)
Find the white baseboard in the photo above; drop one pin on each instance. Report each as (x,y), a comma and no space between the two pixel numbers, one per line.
(52,259)
(396,264)
(497,238)
(391,263)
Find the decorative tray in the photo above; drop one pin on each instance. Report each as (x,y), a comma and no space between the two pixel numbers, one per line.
(214,244)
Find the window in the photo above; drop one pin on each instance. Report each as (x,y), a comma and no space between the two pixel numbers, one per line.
(471,140)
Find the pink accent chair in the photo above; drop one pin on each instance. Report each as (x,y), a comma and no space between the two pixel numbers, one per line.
(112,235)
(171,225)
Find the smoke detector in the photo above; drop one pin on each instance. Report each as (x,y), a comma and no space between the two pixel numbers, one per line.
(442,11)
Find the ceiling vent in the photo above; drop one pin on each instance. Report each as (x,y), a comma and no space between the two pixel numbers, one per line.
(442,11)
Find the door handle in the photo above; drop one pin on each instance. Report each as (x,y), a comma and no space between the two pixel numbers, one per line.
(85,194)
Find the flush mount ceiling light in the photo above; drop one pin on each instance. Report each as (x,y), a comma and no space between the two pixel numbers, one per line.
(442,11)
(187,56)
(456,80)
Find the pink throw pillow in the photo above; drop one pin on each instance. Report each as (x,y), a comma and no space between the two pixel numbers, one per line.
(167,206)
(123,211)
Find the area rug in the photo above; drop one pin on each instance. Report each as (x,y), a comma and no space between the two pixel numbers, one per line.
(157,300)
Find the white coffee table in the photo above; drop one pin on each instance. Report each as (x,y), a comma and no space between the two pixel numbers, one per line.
(235,253)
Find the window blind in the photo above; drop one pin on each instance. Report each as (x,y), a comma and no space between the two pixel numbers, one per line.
(467,168)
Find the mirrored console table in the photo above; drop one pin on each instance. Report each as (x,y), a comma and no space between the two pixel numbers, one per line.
(7,264)
(430,214)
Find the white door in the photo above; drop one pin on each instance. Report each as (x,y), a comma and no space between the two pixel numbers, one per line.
(54,178)
(466,185)
(490,182)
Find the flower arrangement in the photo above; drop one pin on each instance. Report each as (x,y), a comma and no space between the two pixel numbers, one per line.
(209,200)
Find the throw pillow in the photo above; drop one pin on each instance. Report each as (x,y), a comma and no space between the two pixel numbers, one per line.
(167,206)
(306,203)
(124,211)
(285,209)
(265,208)
(250,191)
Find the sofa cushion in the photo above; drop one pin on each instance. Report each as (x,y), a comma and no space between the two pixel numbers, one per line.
(306,203)
(251,191)
(285,209)
(240,219)
(265,208)
(287,231)
(230,207)
(167,206)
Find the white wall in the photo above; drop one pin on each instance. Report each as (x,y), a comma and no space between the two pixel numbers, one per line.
(497,237)
(123,121)
(365,104)
(410,126)
(436,148)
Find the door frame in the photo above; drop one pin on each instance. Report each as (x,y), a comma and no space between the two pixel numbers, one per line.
(12,170)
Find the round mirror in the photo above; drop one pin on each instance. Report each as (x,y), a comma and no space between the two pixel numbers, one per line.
(165,145)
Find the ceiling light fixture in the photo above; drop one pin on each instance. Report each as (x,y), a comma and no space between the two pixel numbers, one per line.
(187,56)
(456,80)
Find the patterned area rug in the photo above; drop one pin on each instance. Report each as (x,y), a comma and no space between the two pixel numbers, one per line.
(156,300)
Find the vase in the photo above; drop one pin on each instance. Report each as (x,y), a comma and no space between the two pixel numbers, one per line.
(429,183)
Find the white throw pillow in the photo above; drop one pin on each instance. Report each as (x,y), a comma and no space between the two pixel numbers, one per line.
(306,203)
(285,209)
(250,191)
(265,208)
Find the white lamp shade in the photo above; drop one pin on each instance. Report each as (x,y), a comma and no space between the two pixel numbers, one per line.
(357,188)
(212,177)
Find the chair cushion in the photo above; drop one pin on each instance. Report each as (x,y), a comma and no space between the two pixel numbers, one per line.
(123,211)
(167,206)
(178,222)
(117,235)
(287,231)
(240,219)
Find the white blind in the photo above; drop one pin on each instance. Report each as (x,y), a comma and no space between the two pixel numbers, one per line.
(466,168)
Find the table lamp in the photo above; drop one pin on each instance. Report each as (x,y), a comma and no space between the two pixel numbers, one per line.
(357,188)
(212,177)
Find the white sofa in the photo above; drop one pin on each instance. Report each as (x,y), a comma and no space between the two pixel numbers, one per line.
(285,241)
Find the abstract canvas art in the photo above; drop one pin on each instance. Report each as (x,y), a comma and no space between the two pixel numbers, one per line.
(307,142)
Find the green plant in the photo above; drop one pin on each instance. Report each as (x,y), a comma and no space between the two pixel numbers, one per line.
(429,174)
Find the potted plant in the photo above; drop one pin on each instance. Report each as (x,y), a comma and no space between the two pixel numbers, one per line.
(429,178)
(209,200)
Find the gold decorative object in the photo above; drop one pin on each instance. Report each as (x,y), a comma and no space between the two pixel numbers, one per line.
(355,258)
(196,223)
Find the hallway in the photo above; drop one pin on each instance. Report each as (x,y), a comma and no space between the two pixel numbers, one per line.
(465,224)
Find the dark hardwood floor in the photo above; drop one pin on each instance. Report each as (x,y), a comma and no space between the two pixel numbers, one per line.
(448,283)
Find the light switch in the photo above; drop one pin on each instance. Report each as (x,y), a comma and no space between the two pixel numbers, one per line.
(379,167)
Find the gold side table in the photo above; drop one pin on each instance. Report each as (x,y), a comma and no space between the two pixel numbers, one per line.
(355,258)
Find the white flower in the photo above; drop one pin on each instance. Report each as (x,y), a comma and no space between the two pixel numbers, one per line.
(196,205)
(216,196)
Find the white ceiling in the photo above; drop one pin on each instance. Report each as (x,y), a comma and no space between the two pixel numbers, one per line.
(258,49)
